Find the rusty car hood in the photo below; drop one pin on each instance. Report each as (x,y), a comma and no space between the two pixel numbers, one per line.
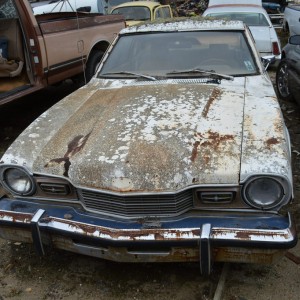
(156,136)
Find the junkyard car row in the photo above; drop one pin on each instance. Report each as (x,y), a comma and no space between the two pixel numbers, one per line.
(138,11)
(257,19)
(288,71)
(175,151)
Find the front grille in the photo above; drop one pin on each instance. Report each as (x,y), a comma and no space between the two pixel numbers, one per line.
(137,205)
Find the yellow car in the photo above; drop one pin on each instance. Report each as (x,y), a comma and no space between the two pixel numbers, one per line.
(139,11)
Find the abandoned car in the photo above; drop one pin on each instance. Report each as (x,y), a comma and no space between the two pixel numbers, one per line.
(136,12)
(176,151)
(255,16)
(288,71)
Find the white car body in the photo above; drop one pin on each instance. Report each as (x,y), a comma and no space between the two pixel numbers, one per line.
(265,37)
(173,155)
(92,6)
(291,21)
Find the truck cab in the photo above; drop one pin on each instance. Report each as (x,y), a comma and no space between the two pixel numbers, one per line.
(48,48)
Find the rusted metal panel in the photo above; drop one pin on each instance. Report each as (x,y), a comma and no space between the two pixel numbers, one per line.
(157,234)
(247,255)
(122,135)
(136,136)
(264,147)
(169,254)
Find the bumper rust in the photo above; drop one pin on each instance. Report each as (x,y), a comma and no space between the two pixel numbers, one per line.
(205,243)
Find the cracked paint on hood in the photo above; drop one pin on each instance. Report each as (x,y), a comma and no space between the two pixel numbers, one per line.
(153,136)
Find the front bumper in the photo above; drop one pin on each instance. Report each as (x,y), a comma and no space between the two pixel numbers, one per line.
(231,237)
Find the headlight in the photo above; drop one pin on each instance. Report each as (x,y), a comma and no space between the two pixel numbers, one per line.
(18,181)
(263,192)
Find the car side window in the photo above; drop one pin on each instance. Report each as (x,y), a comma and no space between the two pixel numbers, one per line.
(166,11)
(162,12)
(158,13)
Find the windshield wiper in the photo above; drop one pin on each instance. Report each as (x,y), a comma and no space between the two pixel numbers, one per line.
(130,73)
(210,73)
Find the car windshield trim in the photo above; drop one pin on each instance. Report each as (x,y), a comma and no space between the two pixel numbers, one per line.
(129,73)
(210,73)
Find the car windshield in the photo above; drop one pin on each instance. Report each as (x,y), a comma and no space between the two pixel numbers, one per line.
(174,54)
(133,13)
(249,18)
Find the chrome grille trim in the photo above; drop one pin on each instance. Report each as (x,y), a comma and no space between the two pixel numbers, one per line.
(216,197)
(137,205)
(54,189)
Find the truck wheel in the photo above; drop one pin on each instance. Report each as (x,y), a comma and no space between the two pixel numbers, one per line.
(92,64)
(286,28)
(282,81)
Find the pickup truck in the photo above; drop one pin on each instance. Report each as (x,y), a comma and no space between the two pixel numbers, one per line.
(41,50)
(291,21)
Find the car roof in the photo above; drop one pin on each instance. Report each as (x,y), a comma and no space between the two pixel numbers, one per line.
(235,8)
(226,2)
(149,4)
(185,24)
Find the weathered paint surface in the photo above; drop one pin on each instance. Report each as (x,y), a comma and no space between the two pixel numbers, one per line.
(158,136)
(157,234)
(264,148)
(197,23)
(175,253)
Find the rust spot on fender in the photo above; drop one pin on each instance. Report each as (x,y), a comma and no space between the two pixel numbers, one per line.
(214,95)
(272,141)
(195,151)
(73,147)
(210,139)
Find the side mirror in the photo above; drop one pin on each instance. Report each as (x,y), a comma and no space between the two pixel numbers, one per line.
(294,40)
(267,60)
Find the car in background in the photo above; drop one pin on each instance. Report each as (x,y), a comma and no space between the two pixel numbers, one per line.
(288,71)
(89,6)
(175,151)
(275,11)
(136,12)
(255,17)
(113,3)
(291,22)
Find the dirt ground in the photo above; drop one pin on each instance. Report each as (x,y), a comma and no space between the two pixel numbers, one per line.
(62,275)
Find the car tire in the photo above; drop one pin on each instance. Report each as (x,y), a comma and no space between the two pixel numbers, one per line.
(282,81)
(285,28)
(92,64)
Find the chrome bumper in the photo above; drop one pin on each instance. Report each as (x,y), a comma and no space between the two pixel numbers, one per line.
(130,241)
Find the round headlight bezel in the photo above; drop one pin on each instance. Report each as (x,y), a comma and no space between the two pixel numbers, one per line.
(5,172)
(279,183)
